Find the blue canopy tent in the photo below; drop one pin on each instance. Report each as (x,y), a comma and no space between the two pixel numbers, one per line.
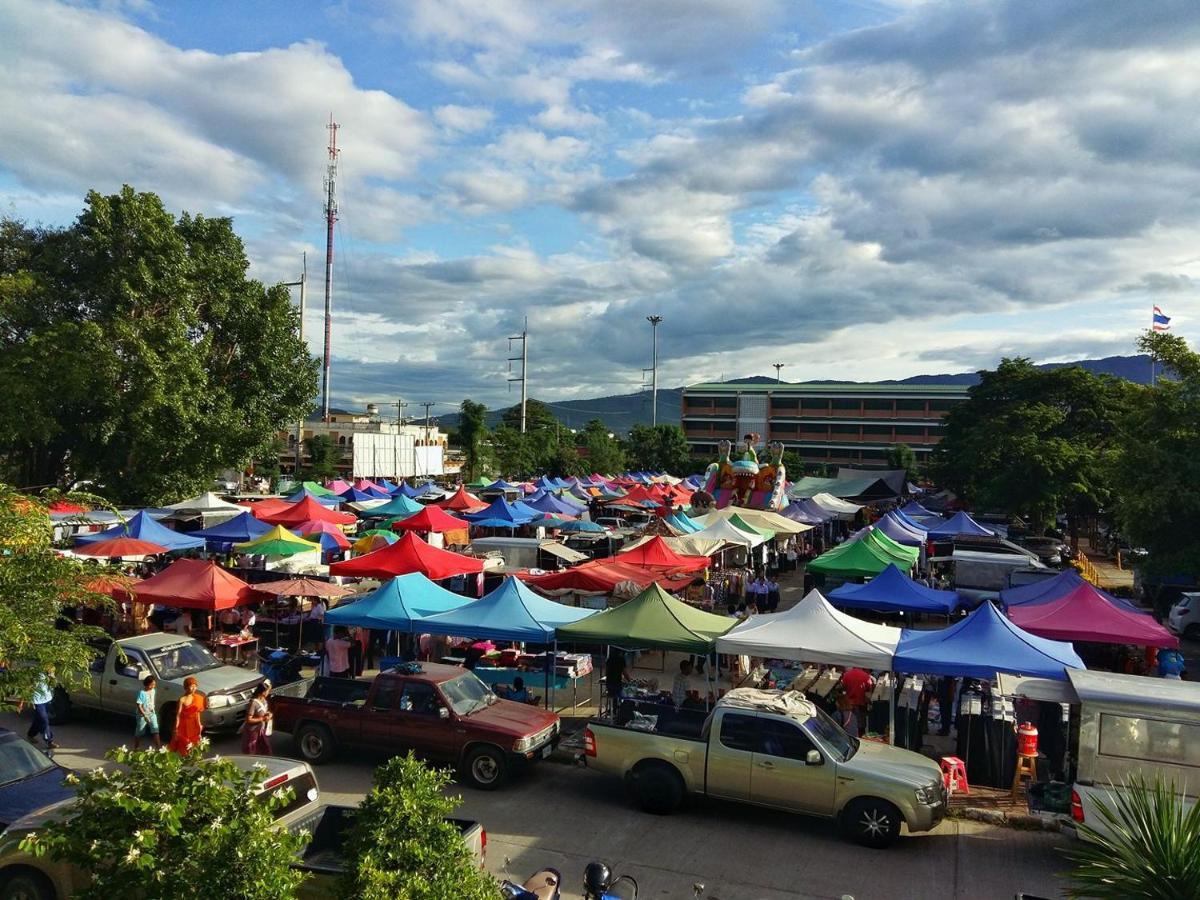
(410,492)
(798,513)
(681,522)
(921,525)
(238,530)
(1052,588)
(354,495)
(399,605)
(549,503)
(893,591)
(387,486)
(328,542)
(323,499)
(982,644)
(500,485)
(509,515)
(900,533)
(913,508)
(546,483)
(581,526)
(960,523)
(397,506)
(143,527)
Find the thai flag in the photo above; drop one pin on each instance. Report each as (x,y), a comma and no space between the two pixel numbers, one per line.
(1160,321)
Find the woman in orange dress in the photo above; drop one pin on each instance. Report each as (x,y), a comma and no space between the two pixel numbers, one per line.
(187,718)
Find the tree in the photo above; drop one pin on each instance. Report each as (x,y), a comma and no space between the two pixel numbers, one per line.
(516,454)
(1033,443)
(901,456)
(538,417)
(604,453)
(35,586)
(267,465)
(402,845)
(1156,472)
(472,436)
(176,828)
(659,448)
(564,463)
(323,457)
(136,353)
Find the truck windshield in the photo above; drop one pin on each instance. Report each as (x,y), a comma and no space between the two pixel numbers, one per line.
(182,659)
(467,693)
(830,733)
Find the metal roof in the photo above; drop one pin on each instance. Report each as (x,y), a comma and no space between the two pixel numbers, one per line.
(805,387)
(1135,690)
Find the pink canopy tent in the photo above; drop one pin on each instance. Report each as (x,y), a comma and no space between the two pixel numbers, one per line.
(1085,614)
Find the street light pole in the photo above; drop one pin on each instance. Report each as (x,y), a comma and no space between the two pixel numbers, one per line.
(777,367)
(654,323)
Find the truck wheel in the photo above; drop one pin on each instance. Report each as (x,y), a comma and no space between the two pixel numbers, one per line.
(873,823)
(657,789)
(315,743)
(166,721)
(485,768)
(22,883)
(60,707)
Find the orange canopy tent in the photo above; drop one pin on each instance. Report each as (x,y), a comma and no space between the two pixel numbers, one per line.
(308,510)
(409,554)
(656,552)
(195,584)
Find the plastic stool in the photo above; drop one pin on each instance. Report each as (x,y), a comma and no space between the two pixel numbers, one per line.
(1026,768)
(954,774)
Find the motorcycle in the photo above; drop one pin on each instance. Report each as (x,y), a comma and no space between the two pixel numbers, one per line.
(541,885)
(599,884)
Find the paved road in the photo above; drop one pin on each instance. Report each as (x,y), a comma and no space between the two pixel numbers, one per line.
(564,816)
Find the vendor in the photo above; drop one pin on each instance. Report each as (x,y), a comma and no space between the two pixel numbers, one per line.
(518,693)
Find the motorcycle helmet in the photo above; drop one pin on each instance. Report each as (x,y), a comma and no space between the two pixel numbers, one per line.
(596,878)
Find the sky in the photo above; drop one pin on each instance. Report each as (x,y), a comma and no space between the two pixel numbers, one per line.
(858,189)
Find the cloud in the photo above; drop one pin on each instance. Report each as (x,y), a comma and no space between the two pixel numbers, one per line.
(463,118)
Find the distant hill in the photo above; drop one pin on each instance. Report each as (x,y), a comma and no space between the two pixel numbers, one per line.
(620,412)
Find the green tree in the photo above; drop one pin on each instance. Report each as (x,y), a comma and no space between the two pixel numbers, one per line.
(565,462)
(659,448)
(1156,473)
(175,828)
(267,464)
(901,456)
(538,417)
(472,436)
(136,353)
(516,454)
(402,846)
(1033,443)
(323,457)
(604,453)
(35,585)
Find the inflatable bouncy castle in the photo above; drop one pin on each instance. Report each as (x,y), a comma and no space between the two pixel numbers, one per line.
(738,479)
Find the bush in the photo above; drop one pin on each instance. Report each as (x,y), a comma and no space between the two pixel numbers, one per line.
(401,846)
(167,827)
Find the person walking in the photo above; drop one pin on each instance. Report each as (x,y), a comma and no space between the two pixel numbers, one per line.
(188,728)
(43,695)
(145,714)
(256,732)
(337,654)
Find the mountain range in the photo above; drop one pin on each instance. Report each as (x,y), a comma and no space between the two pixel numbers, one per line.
(620,412)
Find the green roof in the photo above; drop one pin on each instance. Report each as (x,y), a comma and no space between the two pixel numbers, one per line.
(869,555)
(651,619)
(808,387)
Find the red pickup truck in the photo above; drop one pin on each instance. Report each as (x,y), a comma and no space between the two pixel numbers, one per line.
(442,713)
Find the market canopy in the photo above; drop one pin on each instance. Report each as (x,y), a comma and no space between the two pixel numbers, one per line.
(397,605)
(206,505)
(683,524)
(319,490)
(398,505)
(900,532)
(410,492)
(864,557)
(603,576)
(835,505)
(813,631)
(726,532)
(651,619)
(502,514)
(865,487)
(335,487)
(409,554)
(144,528)
(242,527)
(893,591)
(195,584)
(324,499)
(1054,587)
(277,542)
(551,503)
(1085,614)
(982,644)
(912,509)
(302,587)
(355,495)
(797,511)
(120,547)
(306,510)
(959,523)
(512,612)
(657,552)
(461,500)
(685,545)
(432,519)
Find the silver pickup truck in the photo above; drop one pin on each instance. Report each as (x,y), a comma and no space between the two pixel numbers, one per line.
(40,878)
(116,678)
(776,749)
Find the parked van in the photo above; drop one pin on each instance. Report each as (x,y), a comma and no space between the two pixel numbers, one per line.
(981,576)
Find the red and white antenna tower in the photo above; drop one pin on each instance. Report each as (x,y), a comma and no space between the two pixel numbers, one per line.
(331,211)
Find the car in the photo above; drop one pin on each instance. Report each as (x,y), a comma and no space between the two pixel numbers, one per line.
(29,779)
(1048,549)
(1184,617)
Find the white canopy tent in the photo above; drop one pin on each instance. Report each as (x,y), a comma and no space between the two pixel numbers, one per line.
(758,518)
(208,507)
(728,533)
(813,631)
(842,508)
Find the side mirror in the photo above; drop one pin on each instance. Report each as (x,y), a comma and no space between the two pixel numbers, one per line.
(443,713)
(131,672)
(813,758)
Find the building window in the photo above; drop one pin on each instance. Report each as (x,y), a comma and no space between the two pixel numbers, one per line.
(886,405)
(725,403)
(785,402)
(941,406)
(910,430)
(873,454)
(911,405)
(813,405)
(854,405)
(785,428)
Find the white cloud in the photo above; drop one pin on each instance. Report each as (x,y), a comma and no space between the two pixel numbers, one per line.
(463,118)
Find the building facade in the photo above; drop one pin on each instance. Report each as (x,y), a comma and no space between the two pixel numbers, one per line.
(370,447)
(825,424)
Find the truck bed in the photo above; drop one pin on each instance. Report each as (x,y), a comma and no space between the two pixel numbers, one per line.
(322,689)
(619,749)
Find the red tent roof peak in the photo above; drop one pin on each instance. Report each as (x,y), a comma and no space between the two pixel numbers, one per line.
(409,554)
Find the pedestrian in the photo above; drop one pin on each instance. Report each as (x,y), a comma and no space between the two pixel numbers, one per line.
(146,715)
(188,727)
(856,685)
(337,654)
(43,696)
(682,684)
(256,731)
(614,678)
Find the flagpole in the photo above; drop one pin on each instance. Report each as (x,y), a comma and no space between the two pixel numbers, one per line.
(1152,352)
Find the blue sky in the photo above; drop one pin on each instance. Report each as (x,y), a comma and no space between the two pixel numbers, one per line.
(856,189)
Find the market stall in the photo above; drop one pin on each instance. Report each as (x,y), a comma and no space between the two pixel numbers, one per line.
(409,554)
(144,527)
(1086,614)
(893,591)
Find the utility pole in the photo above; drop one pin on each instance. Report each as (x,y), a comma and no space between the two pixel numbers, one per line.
(523,337)
(654,323)
(303,285)
(331,212)
(777,367)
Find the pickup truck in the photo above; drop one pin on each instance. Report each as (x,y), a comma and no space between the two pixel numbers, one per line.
(42,878)
(118,670)
(776,749)
(442,713)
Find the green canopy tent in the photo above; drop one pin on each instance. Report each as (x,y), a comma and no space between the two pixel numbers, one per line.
(652,619)
(904,556)
(738,522)
(867,556)
(313,488)
(278,542)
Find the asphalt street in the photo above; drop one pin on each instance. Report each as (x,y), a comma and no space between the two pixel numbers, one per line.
(562,815)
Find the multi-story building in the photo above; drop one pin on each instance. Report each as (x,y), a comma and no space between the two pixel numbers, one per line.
(371,447)
(826,424)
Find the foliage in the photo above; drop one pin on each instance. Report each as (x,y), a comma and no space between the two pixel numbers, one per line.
(401,845)
(1156,474)
(35,585)
(158,825)
(565,463)
(538,417)
(516,454)
(472,436)
(659,448)
(323,457)
(267,465)
(1148,850)
(901,456)
(604,452)
(1033,442)
(136,353)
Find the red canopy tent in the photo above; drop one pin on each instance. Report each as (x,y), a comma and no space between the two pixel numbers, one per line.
(409,554)
(261,508)
(120,546)
(431,518)
(462,501)
(656,552)
(116,585)
(1085,614)
(603,575)
(65,506)
(307,510)
(195,584)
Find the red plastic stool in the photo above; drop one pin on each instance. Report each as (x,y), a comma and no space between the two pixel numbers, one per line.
(954,774)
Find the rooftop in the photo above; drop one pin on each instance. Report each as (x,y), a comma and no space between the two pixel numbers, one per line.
(825,387)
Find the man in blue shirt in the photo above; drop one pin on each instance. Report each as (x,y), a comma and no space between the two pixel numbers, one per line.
(146,715)
(43,694)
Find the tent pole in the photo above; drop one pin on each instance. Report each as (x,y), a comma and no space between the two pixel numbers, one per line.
(892,709)
(551,660)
